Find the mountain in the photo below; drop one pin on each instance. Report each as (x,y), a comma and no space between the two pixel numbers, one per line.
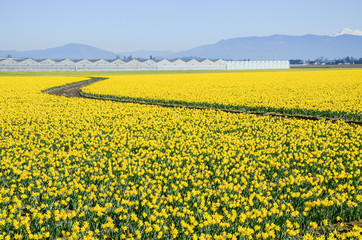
(280,47)
(348,31)
(276,47)
(71,51)
(80,51)
(146,54)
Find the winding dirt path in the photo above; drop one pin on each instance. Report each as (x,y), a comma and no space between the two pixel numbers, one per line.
(73,90)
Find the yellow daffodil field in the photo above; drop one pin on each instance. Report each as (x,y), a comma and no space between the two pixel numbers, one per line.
(334,94)
(76,168)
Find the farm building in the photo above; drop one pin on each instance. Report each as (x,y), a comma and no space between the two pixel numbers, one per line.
(26,65)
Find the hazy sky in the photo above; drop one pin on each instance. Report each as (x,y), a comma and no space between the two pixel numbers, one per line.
(117,25)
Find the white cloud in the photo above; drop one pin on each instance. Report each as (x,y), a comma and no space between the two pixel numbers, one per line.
(348,31)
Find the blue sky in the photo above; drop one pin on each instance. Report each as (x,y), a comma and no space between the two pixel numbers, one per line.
(118,25)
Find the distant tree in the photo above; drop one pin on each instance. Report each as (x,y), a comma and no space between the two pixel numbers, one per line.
(9,56)
(296,61)
(320,59)
(357,61)
(338,61)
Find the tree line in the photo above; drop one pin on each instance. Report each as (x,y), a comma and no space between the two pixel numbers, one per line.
(322,60)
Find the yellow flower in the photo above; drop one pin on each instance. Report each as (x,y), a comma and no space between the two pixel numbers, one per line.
(325,222)
(314,225)
(182,173)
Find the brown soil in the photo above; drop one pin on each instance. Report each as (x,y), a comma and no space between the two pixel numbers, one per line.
(348,226)
(72,90)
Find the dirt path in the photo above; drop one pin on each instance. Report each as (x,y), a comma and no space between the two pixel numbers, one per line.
(73,90)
